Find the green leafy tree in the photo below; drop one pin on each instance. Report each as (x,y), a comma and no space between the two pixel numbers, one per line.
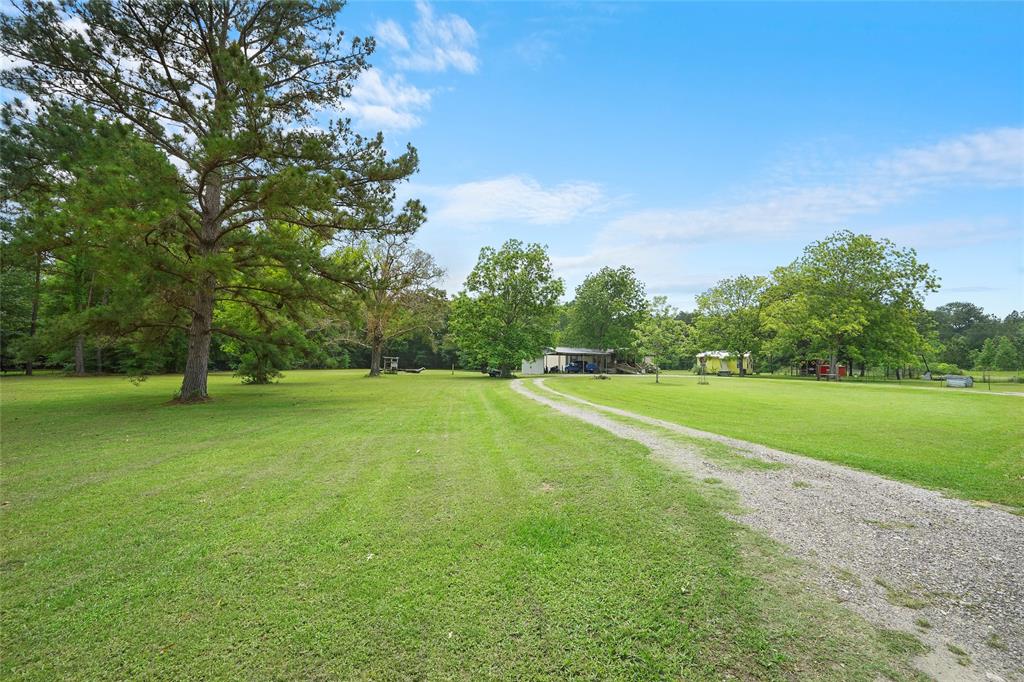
(506,312)
(1004,356)
(984,358)
(956,351)
(395,294)
(661,336)
(266,342)
(965,320)
(18,307)
(228,92)
(729,316)
(608,306)
(71,183)
(852,291)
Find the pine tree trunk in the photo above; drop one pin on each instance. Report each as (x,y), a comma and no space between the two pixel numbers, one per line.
(197,363)
(35,314)
(739,363)
(193,386)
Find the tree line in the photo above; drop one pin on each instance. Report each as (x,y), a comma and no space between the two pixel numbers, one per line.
(172,198)
(180,191)
(849,299)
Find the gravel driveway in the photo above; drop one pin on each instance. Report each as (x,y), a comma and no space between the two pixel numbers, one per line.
(892,552)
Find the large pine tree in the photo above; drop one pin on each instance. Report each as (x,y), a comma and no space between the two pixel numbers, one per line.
(230,92)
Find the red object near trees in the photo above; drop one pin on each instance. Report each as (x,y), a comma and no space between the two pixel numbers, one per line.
(823,369)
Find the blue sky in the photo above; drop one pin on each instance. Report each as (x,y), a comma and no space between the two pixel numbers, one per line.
(694,142)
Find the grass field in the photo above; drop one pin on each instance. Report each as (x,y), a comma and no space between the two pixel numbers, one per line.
(338,527)
(967,444)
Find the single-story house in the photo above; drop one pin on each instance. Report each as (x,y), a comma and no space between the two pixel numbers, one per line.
(725,362)
(569,360)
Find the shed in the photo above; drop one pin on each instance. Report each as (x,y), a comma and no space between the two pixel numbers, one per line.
(725,362)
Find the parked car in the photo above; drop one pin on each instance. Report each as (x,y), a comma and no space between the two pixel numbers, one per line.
(573,368)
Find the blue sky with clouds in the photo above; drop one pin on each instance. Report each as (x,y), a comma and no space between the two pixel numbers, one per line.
(694,142)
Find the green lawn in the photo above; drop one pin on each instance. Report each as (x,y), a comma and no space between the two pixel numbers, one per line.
(967,444)
(338,527)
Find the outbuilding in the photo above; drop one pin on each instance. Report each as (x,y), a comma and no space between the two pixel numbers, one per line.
(570,360)
(725,362)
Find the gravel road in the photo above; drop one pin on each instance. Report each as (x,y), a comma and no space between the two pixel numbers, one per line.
(890,551)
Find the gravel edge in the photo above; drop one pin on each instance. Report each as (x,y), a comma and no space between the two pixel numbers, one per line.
(890,551)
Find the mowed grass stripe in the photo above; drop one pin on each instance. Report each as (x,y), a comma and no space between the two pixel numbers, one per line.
(333,526)
(969,445)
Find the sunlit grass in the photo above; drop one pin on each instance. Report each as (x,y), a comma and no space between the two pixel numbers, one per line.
(970,445)
(338,527)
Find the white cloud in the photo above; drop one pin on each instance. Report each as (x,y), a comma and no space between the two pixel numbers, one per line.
(7,62)
(681,250)
(992,158)
(390,34)
(439,42)
(387,102)
(512,198)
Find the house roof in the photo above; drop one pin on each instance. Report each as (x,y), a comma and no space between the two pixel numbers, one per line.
(569,350)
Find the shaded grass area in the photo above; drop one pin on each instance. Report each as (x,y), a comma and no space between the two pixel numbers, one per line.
(969,445)
(333,526)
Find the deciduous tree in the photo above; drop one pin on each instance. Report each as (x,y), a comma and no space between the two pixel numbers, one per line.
(853,291)
(506,312)
(729,316)
(608,306)
(395,293)
(662,336)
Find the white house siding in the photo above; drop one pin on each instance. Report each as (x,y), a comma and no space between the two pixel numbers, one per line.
(535,366)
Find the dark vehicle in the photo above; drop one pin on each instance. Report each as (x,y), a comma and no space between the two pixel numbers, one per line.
(578,367)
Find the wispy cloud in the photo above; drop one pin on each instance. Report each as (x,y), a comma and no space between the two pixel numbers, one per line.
(951,233)
(390,34)
(512,198)
(993,158)
(438,42)
(682,250)
(387,102)
(537,48)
